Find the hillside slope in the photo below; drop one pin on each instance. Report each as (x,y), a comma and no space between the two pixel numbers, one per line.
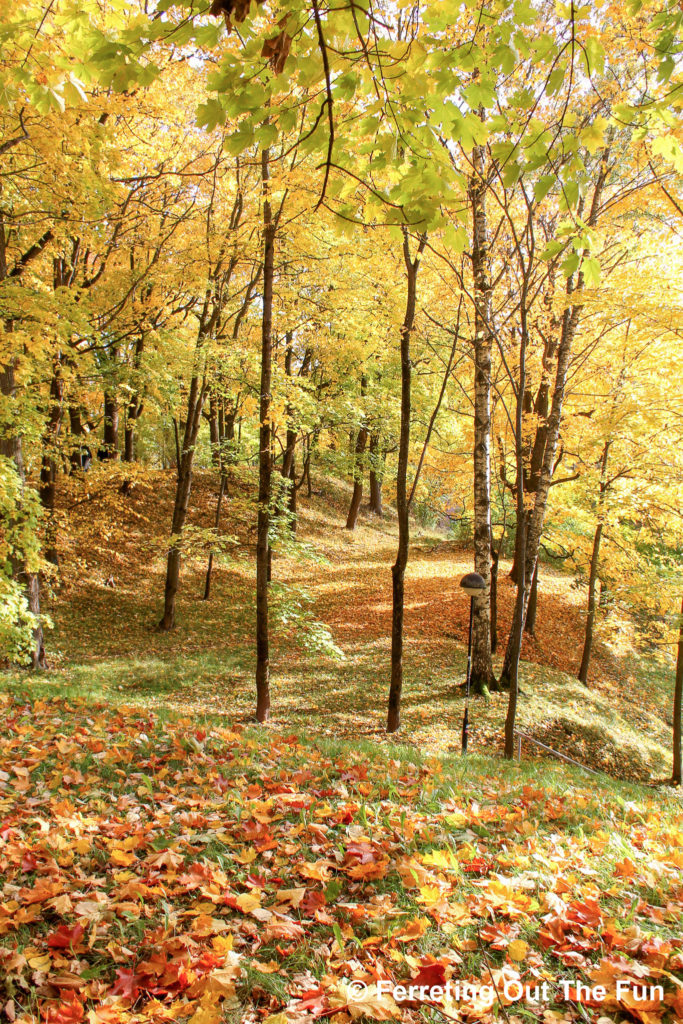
(332,586)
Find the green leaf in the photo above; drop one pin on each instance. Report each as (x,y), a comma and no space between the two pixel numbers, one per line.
(505,58)
(571,194)
(210,114)
(593,56)
(591,271)
(543,186)
(240,140)
(455,238)
(552,249)
(266,135)
(571,264)
(555,81)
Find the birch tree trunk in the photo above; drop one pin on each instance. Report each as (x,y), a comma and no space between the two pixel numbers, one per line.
(482,678)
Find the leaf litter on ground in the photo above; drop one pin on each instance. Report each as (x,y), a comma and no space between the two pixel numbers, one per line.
(154,869)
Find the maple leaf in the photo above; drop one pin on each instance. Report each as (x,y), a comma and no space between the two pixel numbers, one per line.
(68,1011)
(127,983)
(65,937)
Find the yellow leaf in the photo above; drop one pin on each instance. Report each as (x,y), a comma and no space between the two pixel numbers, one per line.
(40,963)
(248,902)
(429,895)
(518,949)
(441,859)
(247,857)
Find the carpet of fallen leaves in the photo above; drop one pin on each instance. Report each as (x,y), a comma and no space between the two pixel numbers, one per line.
(152,870)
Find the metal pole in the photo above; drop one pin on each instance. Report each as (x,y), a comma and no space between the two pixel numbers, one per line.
(466,716)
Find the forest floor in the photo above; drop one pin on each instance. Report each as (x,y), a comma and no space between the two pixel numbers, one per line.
(161,859)
(104,641)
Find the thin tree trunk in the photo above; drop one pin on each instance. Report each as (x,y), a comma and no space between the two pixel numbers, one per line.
(11,448)
(520,543)
(265,466)
(590,616)
(593,573)
(678,709)
(375,475)
(214,432)
(209,568)
(48,468)
(111,417)
(494,599)
(357,495)
(195,403)
(530,622)
(288,473)
(133,409)
(402,506)
(570,323)
(482,678)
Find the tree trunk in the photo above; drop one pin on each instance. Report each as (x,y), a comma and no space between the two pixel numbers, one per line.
(209,568)
(195,403)
(533,525)
(482,678)
(265,467)
(375,475)
(593,573)
(11,448)
(214,432)
(111,417)
(494,599)
(357,495)
(551,431)
(48,468)
(678,705)
(530,622)
(517,627)
(133,409)
(590,617)
(402,506)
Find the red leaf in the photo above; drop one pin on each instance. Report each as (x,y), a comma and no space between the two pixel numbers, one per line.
(65,937)
(68,1011)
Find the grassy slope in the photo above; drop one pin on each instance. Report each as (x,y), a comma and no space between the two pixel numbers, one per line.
(104,643)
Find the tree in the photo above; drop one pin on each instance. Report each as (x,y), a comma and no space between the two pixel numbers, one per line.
(678,709)
(269,231)
(412,266)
